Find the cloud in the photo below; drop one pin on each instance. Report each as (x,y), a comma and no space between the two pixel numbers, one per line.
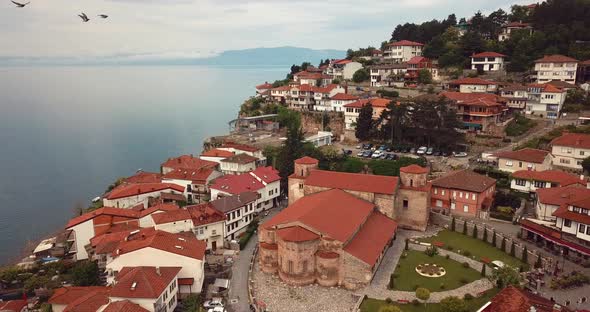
(197,27)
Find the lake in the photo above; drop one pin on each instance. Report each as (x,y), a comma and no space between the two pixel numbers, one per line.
(68,132)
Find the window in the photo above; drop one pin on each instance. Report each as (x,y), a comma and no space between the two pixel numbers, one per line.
(454,194)
(588,230)
(540,184)
(435,191)
(567,223)
(300,186)
(453,206)
(581,153)
(519,182)
(439,203)
(443,192)
(405,204)
(509,163)
(582,228)
(465,208)
(460,194)
(473,196)
(290,267)
(577,209)
(201,231)
(304,266)
(564,161)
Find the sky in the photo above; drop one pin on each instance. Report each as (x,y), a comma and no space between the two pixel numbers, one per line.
(200,28)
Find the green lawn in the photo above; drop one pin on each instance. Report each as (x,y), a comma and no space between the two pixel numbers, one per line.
(476,247)
(373,305)
(407,278)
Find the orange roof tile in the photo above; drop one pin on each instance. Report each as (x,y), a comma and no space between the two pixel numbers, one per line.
(306,160)
(558,196)
(353,181)
(374,102)
(577,140)
(127,190)
(344,97)
(264,86)
(67,295)
(124,306)
(144,177)
(334,213)
(217,153)
(143,282)
(118,212)
(188,162)
(108,242)
(405,43)
(415,169)
(180,244)
(266,174)
(368,244)
(512,299)
(472,81)
(236,184)
(554,176)
(90,302)
(464,180)
(12,305)
(551,89)
(296,234)
(241,147)
(240,159)
(556,58)
(526,154)
(488,54)
(197,176)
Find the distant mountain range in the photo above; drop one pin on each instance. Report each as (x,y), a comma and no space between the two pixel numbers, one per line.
(279,56)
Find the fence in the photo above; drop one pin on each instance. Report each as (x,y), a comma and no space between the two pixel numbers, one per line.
(445,221)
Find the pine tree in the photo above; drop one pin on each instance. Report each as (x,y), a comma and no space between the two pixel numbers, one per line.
(485,234)
(494,238)
(464,227)
(483,270)
(364,123)
(453,224)
(503,244)
(474,231)
(513,250)
(525,255)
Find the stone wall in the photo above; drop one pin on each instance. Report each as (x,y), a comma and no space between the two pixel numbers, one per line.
(415,216)
(311,122)
(445,221)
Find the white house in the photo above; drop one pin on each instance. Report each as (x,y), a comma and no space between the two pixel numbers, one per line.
(342,69)
(352,110)
(338,101)
(322,96)
(216,155)
(185,162)
(238,164)
(321,138)
(474,85)
(154,288)
(402,51)
(264,180)
(516,96)
(570,149)
(195,182)
(511,27)
(384,75)
(487,61)
(556,67)
(239,212)
(131,195)
(524,159)
(528,181)
(263,89)
(237,148)
(204,221)
(279,94)
(159,248)
(549,103)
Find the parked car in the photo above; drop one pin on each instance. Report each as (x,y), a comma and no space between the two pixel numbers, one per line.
(429,151)
(460,154)
(359,146)
(382,147)
(412,151)
(367,154)
(383,156)
(422,150)
(213,303)
(444,154)
(437,153)
(346,152)
(360,153)
(377,154)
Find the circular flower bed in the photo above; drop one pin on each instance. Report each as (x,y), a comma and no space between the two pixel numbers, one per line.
(430,270)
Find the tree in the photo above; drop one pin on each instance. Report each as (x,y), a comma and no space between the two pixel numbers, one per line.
(389,308)
(85,273)
(361,75)
(483,270)
(525,255)
(407,243)
(453,304)
(494,239)
(291,150)
(464,227)
(503,244)
(518,13)
(364,123)
(422,293)
(424,76)
(474,233)
(453,224)
(586,164)
(391,284)
(539,262)
(512,249)
(485,234)
(192,303)
(506,276)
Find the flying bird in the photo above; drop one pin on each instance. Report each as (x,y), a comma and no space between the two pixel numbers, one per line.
(20,5)
(103,15)
(84,17)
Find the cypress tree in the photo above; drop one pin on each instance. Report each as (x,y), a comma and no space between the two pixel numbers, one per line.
(453,224)
(464,227)
(406,247)
(391,282)
(483,270)
(525,255)
(474,231)
(485,234)
(503,244)
(539,262)
(513,250)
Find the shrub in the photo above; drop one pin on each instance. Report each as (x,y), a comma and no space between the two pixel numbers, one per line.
(466,253)
(416,302)
(525,255)
(389,308)
(453,304)
(453,224)
(485,234)
(538,263)
(463,280)
(468,296)
(407,246)
(503,244)
(464,227)
(442,286)
(466,264)
(403,256)
(422,293)
(513,249)
(431,251)
(450,247)
(474,233)
(391,284)
(483,270)
(448,257)
(388,300)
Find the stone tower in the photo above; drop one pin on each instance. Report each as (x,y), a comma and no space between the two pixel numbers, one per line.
(413,198)
(303,167)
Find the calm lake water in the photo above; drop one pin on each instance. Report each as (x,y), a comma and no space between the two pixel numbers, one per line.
(68,132)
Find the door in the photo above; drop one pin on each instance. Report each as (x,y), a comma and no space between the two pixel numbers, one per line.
(214,245)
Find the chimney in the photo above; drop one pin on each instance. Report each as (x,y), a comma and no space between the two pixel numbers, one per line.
(158,271)
(134,285)
(556,308)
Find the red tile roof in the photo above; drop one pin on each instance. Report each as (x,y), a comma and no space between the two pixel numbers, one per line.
(517,24)
(124,306)
(561,196)
(486,99)
(464,180)
(344,97)
(226,204)
(405,43)
(158,207)
(264,86)
(180,244)
(564,213)
(551,89)
(266,174)
(143,282)
(556,58)
(415,169)
(12,305)
(108,242)
(343,61)
(296,234)
(196,176)
(374,102)
(188,162)
(353,181)
(186,281)
(333,213)
(526,154)
(554,176)
(236,184)
(144,177)
(577,140)
(488,54)
(240,159)
(282,88)
(110,211)
(128,190)
(368,244)
(327,89)
(205,214)
(90,302)
(241,147)
(217,153)
(67,295)
(306,160)
(512,299)
(472,81)
(171,216)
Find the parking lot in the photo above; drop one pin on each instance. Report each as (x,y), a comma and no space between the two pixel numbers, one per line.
(368,150)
